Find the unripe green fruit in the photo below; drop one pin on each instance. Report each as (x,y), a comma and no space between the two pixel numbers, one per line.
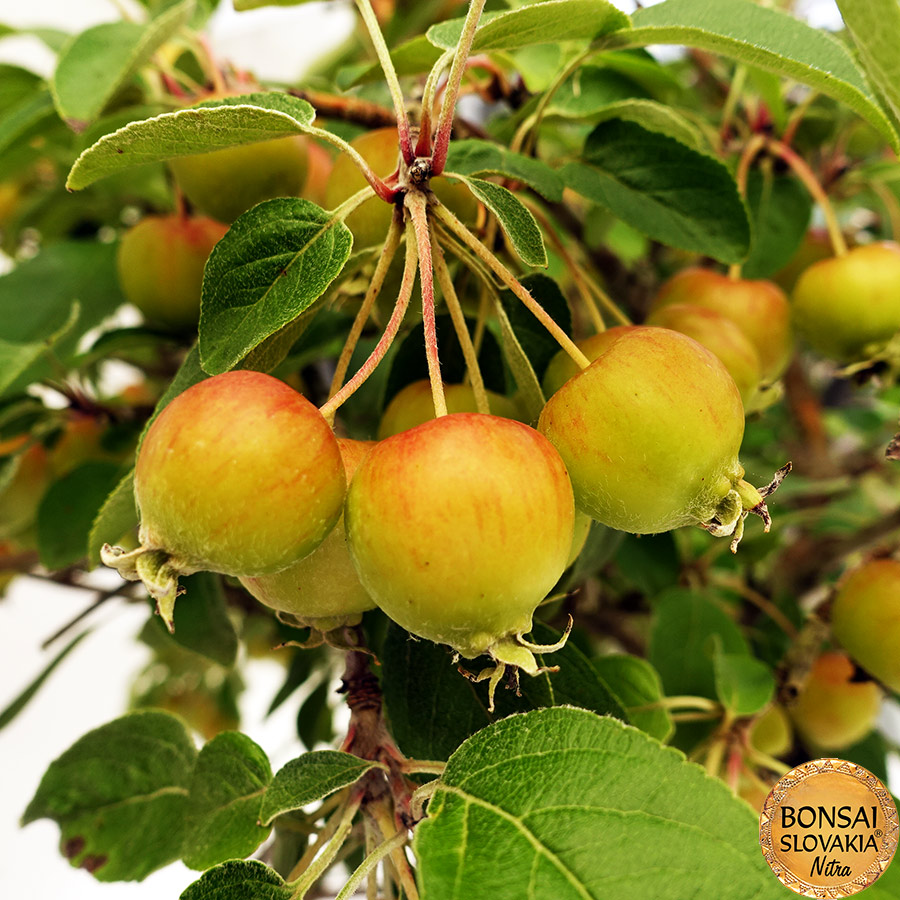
(413,405)
(865,619)
(718,334)
(833,712)
(381,150)
(650,434)
(759,308)
(816,246)
(459,528)
(322,590)
(161,262)
(225,183)
(771,733)
(240,474)
(848,307)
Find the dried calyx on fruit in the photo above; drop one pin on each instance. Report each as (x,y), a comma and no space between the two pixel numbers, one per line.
(239,474)
(650,434)
(459,528)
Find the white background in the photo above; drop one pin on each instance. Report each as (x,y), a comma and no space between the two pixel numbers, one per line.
(91,686)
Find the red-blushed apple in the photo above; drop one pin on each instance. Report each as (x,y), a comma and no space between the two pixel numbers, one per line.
(562,367)
(848,307)
(650,434)
(160,263)
(413,404)
(759,308)
(21,497)
(865,618)
(459,528)
(833,711)
(322,590)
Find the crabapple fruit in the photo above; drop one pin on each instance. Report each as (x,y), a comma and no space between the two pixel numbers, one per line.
(865,618)
(759,308)
(321,590)
(833,711)
(161,261)
(459,528)
(848,307)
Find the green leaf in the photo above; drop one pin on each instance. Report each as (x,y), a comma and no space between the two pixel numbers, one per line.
(416,672)
(412,57)
(20,702)
(61,274)
(120,821)
(16,84)
(654,116)
(744,684)
(272,264)
(311,777)
(239,879)
(477,157)
(229,781)
(683,638)
(637,685)
(580,807)
(765,38)
(515,219)
(874,26)
(202,623)
(117,516)
(68,510)
(212,125)
(24,115)
(780,212)
(536,342)
(664,189)
(243,5)
(315,721)
(530,395)
(537,23)
(100,61)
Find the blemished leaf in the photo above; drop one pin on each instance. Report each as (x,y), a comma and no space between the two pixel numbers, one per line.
(663,188)
(229,781)
(120,822)
(68,510)
(873,24)
(767,39)
(272,264)
(780,211)
(477,157)
(201,619)
(537,343)
(101,60)
(60,275)
(116,517)
(536,23)
(744,684)
(311,777)
(683,638)
(515,219)
(239,879)
(537,791)
(20,702)
(212,125)
(636,683)
(415,672)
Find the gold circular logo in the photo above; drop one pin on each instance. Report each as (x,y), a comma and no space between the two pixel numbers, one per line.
(828,829)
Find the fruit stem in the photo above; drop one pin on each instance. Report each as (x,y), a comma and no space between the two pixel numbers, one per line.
(385,822)
(388,251)
(387,193)
(738,81)
(416,203)
(509,280)
(390,332)
(313,863)
(577,276)
(751,150)
(451,92)
(423,147)
(390,76)
(817,192)
(459,324)
(764,761)
(369,864)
